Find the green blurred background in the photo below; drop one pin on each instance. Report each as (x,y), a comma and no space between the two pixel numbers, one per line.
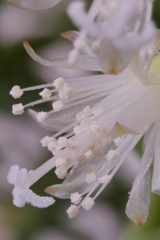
(20,135)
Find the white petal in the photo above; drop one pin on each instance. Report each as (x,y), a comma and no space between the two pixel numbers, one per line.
(50,123)
(156,170)
(146,107)
(142,60)
(83,62)
(138,204)
(34,4)
(111,59)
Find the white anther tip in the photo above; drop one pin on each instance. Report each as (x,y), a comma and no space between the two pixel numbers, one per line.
(46,93)
(59,83)
(61,172)
(88,203)
(41,116)
(75,198)
(105,179)
(17,109)
(57,105)
(72,211)
(16,92)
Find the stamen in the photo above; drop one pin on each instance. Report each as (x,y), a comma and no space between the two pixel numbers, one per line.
(90,177)
(59,83)
(105,179)
(77,129)
(73,56)
(46,93)
(75,198)
(38,87)
(72,145)
(88,154)
(61,172)
(17,109)
(97,150)
(57,105)
(61,162)
(72,211)
(41,116)
(46,140)
(16,92)
(112,155)
(88,203)
(62,142)
(96,47)
(118,141)
(66,92)
(79,43)
(52,146)
(39,102)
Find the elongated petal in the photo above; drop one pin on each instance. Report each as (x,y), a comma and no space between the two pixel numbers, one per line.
(138,204)
(56,121)
(34,4)
(53,125)
(75,180)
(156,170)
(142,60)
(83,62)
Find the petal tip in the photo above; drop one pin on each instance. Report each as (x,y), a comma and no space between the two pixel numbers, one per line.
(26,43)
(52,189)
(70,35)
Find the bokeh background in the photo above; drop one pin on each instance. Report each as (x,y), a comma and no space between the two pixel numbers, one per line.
(20,139)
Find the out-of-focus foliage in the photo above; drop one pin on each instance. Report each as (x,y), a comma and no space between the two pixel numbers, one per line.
(16,68)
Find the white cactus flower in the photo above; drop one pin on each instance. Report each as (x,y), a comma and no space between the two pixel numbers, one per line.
(124,106)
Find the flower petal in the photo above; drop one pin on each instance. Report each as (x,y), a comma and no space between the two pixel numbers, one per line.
(138,204)
(156,170)
(56,121)
(111,59)
(53,125)
(142,60)
(34,4)
(146,107)
(75,180)
(83,62)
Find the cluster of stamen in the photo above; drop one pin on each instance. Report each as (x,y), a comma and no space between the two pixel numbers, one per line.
(62,92)
(87,119)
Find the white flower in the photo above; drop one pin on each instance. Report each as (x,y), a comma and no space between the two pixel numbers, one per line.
(123,107)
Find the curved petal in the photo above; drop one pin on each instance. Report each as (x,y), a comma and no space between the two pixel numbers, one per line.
(34,4)
(142,60)
(156,169)
(138,204)
(53,125)
(56,121)
(75,180)
(83,62)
